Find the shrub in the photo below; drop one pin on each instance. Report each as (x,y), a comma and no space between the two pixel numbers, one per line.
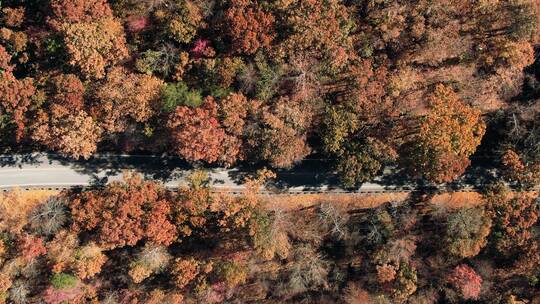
(467,230)
(63,281)
(233,273)
(179,94)
(185,271)
(150,260)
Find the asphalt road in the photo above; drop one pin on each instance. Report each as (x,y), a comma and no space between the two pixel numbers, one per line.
(50,171)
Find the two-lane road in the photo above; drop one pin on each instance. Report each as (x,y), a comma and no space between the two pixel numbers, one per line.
(50,171)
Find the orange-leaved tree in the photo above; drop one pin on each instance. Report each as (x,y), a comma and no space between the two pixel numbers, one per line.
(446,136)
(67,91)
(249,27)
(125,213)
(94,46)
(316,28)
(126,98)
(5,60)
(64,126)
(73,135)
(280,137)
(73,11)
(516,170)
(197,134)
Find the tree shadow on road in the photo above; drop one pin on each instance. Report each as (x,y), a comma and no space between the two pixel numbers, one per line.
(310,174)
(162,168)
(20,160)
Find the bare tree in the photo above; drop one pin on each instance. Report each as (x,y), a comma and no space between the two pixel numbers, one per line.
(18,293)
(307,271)
(334,220)
(49,217)
(248,79)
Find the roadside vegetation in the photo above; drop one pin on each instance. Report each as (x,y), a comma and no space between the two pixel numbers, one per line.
(136,242)
(424,85)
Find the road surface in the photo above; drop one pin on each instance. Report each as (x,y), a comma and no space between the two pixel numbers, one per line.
(50,171)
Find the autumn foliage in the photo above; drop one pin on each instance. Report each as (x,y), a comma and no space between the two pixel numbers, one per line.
(31,247)
(513,216)
(364,86)
(317,28)
(93,46)
(13,17)
(5,59)
(197,134)
(185,21)
(426,96)
(15,99)
(445,137)
(73,135)
(207,246)
(65,11)
(281,139)
(466,281)
(122,216)
(250,28)
(126,98)
(515,170)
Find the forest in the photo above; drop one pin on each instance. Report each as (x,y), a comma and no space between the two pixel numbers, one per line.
(434,88)
(134,241)
(424,86)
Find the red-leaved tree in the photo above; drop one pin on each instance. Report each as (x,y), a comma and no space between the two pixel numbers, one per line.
(125,213)
(31,247)
(466,281)
(197,134)
(15,99)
